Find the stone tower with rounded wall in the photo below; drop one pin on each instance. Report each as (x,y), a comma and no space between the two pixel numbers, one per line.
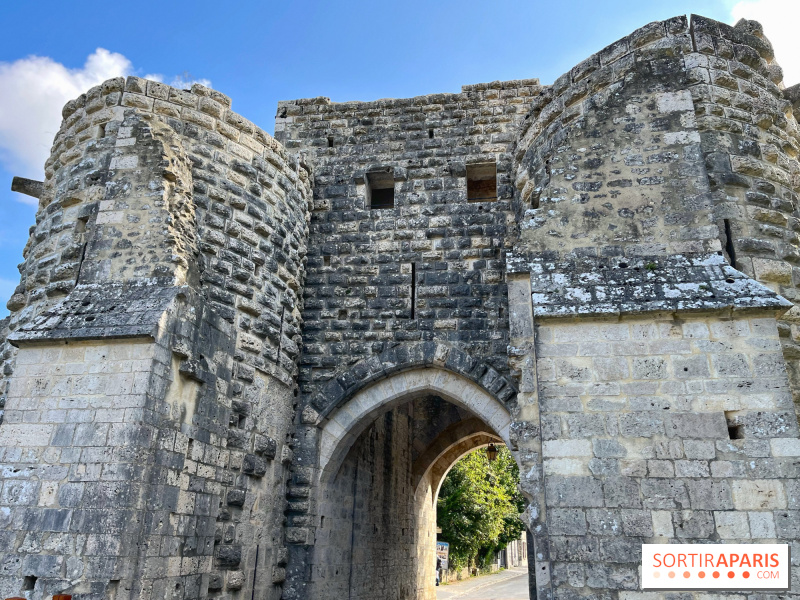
(149,372)
(240,367)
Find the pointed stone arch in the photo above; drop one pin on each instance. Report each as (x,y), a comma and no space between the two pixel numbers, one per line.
(405,357)
(456,441)
(344,424)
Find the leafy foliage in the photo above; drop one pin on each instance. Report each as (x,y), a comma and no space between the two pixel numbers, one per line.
(478,507)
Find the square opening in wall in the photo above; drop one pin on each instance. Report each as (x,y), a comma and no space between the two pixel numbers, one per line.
(482,182)
(735,428)
(380,189)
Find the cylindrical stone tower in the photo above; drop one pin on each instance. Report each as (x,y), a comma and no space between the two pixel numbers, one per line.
(151,354)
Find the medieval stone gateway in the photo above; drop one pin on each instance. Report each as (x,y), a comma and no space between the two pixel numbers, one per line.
(238,366)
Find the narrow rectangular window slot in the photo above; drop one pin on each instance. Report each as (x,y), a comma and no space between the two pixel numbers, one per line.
(413,289)
(342,314)
(380,189)
(482,182)
(326,260)
(330,141)
(430,134)
(80,230)
(729,243)
(280,339)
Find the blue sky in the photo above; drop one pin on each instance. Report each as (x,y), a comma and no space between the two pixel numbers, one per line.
(262,52)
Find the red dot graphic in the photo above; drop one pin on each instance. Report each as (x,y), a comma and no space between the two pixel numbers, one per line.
(686,574)
(746,574)
(731,574)
(701,574)
(716,574)
(671,574)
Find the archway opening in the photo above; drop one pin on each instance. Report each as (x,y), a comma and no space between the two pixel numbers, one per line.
(479,526)
(383,455)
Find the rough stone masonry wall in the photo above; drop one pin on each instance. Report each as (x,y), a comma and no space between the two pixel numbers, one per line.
(358,288)
(248,191)
(750,140)
(636,448)
(358,295)
(610,163)
(619,198)
(166,217)
(667,139)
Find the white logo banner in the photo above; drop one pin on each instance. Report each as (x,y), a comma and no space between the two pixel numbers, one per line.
(715,567)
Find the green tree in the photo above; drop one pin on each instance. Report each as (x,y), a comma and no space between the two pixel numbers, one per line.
(478,507)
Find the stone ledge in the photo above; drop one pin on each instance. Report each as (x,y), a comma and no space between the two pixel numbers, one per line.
(595,286)
(93,312)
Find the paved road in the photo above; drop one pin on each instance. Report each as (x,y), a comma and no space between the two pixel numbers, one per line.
(508,585)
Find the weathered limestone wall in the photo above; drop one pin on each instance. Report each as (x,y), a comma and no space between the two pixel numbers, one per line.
(750,141)
(188,415)
(635,419)
(74,464)
(638,426)
(609,160)
(187,226)
(384,285)
(674,140)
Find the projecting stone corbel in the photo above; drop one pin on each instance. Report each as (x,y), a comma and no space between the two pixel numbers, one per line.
(29,187)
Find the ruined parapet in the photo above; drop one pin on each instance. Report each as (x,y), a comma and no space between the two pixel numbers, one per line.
(157,326)
(609,157)
(415,267)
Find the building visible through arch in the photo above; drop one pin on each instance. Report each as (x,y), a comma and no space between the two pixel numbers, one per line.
(238,365)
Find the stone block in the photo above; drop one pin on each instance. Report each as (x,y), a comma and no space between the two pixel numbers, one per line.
(574,491)
(762,525)
(707,494)
(732,525)
(604,522)
(566,521)
(622,492)
(762,494)
(693,524)
(566,448)
(608,448)
(697,426)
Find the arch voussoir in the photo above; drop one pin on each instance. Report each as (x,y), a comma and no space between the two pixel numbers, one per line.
(404,357)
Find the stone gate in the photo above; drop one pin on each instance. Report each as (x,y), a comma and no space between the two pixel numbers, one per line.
(239,366)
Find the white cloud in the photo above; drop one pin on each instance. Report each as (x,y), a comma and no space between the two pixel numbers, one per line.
(33,91)
(779,18)
(184,81)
